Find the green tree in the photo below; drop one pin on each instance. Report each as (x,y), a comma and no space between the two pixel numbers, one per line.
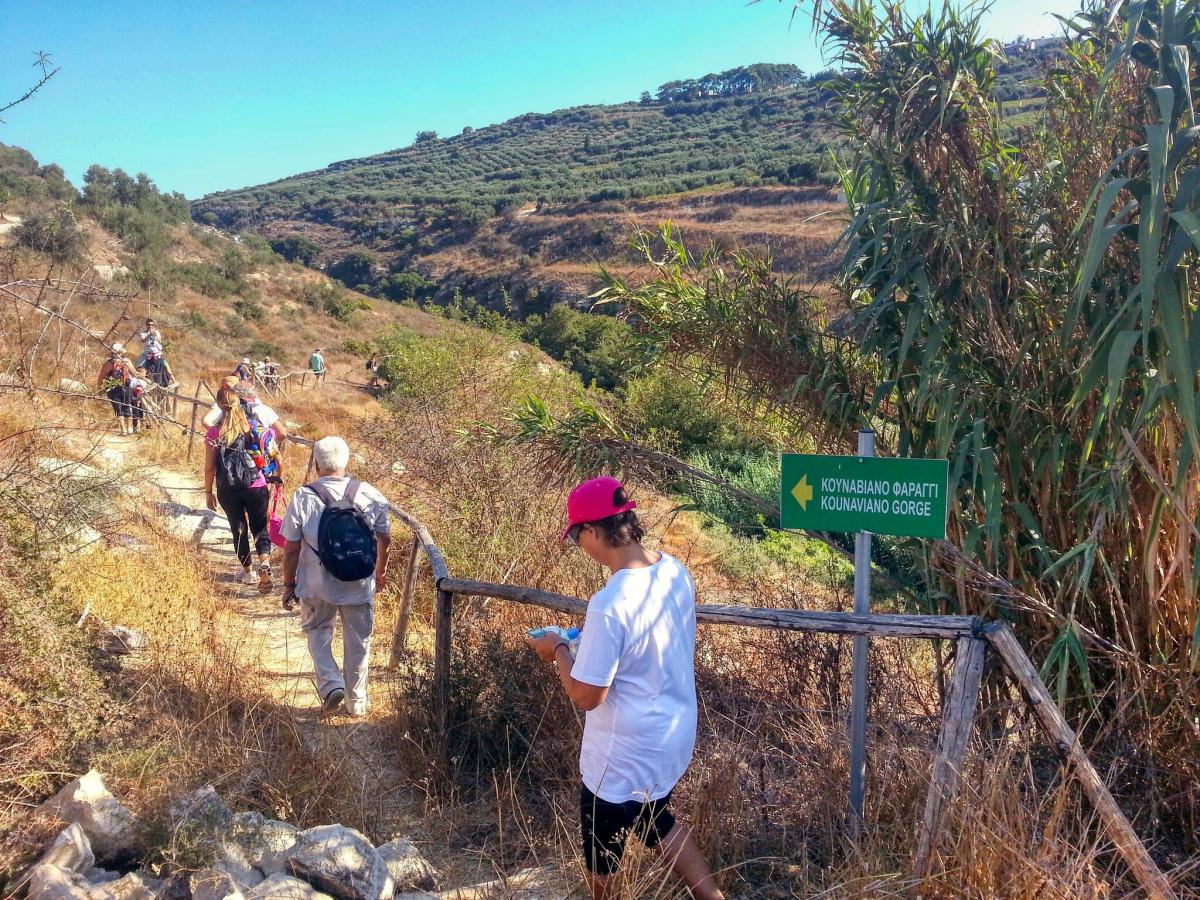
(354,268)
(297,249)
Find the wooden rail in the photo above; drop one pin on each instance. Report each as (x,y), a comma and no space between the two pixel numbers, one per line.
(975,640)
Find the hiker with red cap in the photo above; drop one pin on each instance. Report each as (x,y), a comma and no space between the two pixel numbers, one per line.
(635,677)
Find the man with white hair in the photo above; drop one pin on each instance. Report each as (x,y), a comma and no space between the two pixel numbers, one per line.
(335,559)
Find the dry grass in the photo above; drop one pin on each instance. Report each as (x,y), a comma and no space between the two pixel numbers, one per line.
(766,793)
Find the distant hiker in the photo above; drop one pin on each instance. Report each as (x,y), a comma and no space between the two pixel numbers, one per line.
(270,371)
(373,367)
(138,387)
(243,370)
(316,362)
(264,415)
(113,379)
(635,677)
(240,457)
(154,358)
(336,557)
(152,342)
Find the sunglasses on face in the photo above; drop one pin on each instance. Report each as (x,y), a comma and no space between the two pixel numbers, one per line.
(573,534)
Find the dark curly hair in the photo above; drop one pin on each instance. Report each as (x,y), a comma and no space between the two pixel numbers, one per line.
(622,529)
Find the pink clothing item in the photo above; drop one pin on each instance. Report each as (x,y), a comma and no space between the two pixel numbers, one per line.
(213,437)
(594,500)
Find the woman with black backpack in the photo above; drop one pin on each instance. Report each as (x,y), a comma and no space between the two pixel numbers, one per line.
(240,456)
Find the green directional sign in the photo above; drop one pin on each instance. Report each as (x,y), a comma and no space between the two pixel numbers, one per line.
(865,493)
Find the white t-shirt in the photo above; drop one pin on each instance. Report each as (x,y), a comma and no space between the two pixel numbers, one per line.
(265,415)
(300,523)
(639,641)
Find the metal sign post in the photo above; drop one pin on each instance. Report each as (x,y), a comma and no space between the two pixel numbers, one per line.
(858,710)
(866,495)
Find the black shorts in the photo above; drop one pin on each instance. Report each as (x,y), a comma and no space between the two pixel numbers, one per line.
(604,828)
(118,396)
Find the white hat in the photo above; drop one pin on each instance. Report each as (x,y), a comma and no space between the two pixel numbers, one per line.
(245,359)
(118,347)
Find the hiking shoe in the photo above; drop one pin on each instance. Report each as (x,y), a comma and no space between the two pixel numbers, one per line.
(264,578)
(334,700)
(248,576)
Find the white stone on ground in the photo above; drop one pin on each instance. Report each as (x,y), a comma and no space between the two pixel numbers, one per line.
(108,824)
(284,887)
(342,862)
(409,869)
(70,849)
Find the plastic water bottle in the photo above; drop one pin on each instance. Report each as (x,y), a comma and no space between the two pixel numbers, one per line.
(570,635)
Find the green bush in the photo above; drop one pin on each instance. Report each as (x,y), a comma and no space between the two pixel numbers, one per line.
(55,233)
(297,249)
(206,279)
(418,368)
(250,309)
(675,412)
(603,350)
(259,348)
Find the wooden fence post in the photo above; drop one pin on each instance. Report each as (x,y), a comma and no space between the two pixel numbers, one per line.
(1046,711)
(441,671)
(958,715)
(307,469)
(192,430)
(406,601)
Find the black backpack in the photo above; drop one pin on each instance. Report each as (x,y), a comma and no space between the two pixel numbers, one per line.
(345,539)
(235,465)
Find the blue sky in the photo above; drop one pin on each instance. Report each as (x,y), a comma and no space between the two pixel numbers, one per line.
(219,94)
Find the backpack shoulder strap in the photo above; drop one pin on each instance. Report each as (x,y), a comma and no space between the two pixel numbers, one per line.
(351,491)
(322,492)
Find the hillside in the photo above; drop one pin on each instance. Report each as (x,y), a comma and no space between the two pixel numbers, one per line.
(530,206)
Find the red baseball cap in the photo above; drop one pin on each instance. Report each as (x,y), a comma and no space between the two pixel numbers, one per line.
(594,500)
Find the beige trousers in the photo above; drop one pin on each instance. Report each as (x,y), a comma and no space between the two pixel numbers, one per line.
(318,619)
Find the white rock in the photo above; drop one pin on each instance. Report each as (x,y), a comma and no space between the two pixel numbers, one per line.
(204,825)
(342,862)
(100,876)
(117,640)
(82,539)
(51,882)
(108,824)
(134,886)
(210,884)
(265,842)
(284,887)
(71,849)
(202,806)
(399,468)
(71,386)
(108,273)
(409,869)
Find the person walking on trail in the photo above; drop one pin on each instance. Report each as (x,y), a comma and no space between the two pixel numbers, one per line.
(335,560)
(634,675)
(139,385)
(264,415)
(373,383)
(241,456)
(154,358)
(115,375)
(270,372)
(316,362)
(244,371)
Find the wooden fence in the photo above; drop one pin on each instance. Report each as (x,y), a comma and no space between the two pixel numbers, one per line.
(975,641)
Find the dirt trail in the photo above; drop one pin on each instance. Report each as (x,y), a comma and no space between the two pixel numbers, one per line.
(270,640)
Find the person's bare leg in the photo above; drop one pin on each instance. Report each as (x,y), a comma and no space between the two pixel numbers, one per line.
(685,858)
